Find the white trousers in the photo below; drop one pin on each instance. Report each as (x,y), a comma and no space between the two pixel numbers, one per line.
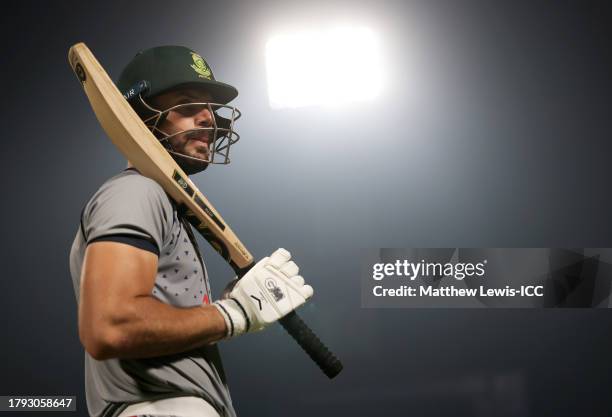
(177,406)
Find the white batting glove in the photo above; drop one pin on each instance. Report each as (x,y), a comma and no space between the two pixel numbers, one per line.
(268,292)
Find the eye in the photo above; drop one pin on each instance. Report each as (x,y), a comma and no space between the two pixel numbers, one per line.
(188,109)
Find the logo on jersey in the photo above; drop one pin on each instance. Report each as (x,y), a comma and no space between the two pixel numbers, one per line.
(199,66)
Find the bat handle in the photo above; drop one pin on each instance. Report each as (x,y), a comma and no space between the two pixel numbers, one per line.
(318,352)
(301,333)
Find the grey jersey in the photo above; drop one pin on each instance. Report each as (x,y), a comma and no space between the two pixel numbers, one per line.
(133,209)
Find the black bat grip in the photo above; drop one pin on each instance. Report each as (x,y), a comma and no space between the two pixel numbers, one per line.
(301,333)
(318,352)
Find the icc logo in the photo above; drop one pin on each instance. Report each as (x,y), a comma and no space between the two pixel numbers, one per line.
(274,290)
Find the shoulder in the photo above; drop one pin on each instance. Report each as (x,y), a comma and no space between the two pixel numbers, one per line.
(129,204)
(129,190)
(131,186)
(132,181)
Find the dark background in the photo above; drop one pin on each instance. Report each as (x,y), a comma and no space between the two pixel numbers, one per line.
(493,130)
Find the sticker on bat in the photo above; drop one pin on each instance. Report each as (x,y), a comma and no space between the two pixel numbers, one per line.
(217,244)
(182,182)
(80,72)
(242,249)
(209,212)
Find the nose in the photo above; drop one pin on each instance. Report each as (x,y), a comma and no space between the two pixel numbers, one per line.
(204,118)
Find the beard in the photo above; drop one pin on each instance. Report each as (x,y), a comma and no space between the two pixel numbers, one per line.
(189,164)
(187,157)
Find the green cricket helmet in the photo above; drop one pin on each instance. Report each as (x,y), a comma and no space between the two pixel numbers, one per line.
(170,67)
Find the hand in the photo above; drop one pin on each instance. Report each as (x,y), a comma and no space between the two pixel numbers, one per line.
(269,291)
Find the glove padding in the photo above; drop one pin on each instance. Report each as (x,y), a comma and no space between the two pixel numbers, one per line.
(268,292)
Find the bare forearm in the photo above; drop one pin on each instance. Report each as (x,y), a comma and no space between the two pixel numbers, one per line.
(148,328)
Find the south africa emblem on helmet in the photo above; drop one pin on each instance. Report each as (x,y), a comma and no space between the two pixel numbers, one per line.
(200,66)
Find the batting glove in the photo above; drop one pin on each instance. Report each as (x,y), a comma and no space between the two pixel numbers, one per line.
(268,292)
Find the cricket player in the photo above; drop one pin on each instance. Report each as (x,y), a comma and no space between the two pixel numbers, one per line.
(146,319)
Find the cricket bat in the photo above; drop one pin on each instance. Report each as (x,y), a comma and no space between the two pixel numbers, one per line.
(136,142)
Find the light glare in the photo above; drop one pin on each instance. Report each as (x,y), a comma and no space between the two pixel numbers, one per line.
(323,68)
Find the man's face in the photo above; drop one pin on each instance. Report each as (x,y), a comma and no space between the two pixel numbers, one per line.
(197,143)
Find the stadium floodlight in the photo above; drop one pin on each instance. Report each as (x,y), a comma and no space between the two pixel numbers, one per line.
(323,67)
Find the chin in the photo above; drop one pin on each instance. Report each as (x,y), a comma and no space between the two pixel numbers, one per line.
(196,153)
(192,167)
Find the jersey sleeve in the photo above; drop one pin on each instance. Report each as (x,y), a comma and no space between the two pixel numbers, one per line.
(129,209)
